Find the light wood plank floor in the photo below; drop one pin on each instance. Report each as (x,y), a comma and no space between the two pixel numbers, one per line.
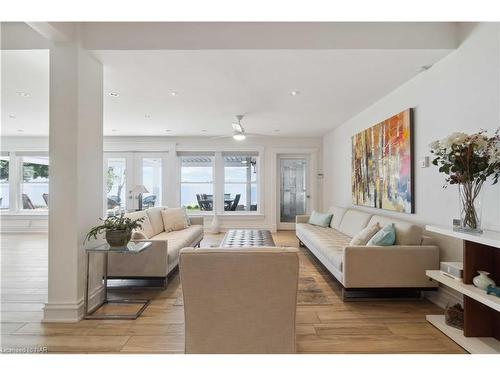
(354,327)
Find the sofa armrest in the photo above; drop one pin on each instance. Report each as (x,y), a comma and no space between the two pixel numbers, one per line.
(389,266)
(302,218)
(196,220)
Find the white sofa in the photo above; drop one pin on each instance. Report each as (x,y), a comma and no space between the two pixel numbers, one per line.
(366,267)
(163,256)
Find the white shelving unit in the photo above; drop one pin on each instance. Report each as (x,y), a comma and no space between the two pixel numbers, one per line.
(468,290)
(483,242)
(488,237)
(474,345)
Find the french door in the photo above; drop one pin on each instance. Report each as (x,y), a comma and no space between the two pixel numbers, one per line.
(125,172)
(293,189)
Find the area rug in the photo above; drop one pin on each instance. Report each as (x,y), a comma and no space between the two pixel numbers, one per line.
(309,293)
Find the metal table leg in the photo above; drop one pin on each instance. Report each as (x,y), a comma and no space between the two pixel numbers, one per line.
(89,314)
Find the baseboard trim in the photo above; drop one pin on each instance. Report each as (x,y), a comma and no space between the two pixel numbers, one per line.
(71,312)
(444,296)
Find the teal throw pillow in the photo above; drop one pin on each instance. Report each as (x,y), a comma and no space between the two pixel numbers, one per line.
(322,220)
(384,237)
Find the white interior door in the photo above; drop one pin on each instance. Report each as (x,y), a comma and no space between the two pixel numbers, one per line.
(293,192)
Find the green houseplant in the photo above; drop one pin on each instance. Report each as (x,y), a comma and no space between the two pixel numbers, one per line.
(468,160)
(117,229)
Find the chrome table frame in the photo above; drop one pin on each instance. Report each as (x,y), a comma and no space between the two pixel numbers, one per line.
(88,314)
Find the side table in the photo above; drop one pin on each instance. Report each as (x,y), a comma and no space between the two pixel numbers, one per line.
(131,248)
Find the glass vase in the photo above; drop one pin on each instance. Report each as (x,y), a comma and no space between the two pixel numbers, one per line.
(470,197)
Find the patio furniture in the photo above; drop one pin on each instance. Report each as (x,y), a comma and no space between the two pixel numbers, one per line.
(149,201)
(234,205)
(45,197)
(240,300)
(112,203)
(27,204)
(205,202)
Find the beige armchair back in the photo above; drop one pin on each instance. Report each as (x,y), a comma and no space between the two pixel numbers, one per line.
(240,300)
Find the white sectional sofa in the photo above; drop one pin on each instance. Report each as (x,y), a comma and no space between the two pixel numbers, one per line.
(163,256)
(368,267)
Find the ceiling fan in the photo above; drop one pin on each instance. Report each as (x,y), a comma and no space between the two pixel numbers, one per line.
(239,133)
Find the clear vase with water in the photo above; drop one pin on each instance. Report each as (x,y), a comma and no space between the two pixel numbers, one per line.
(471,200)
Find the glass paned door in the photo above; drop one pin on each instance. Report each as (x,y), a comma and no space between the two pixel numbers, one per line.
(115,184)
(150,174)
(293,188)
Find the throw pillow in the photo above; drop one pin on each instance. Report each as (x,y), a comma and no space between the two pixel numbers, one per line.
(320,219)
(137,235)
(365,235)
(384,237)
(174,219)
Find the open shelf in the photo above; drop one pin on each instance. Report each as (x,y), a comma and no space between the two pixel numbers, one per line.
(466,289)
(474,345)
(488,237)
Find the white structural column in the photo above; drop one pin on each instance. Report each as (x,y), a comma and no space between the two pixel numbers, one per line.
(76,176)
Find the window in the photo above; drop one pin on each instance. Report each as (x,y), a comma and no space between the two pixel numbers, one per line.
(240,182)
(34,182)
(197,190)
(115,184)
(4,182)
(151,179)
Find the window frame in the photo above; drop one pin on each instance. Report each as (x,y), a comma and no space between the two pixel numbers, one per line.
(21,182)
(219,180)
(213,182)
(256,182)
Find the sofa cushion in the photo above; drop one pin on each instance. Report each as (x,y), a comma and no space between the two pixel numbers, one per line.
(335,255)
(174,219)
(320,219)
(179,239)
(322,237)
(384,237)
(147,229)
(137,235)
(338,214)
(353,222)
(156,219)
(365,235)
(406,233)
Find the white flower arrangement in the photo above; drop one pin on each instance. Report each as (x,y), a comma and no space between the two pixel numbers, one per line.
(468,160)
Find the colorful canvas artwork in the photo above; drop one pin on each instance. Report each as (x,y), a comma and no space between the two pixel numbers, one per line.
(382,165)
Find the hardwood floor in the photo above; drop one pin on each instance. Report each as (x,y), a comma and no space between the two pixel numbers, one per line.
(354,327)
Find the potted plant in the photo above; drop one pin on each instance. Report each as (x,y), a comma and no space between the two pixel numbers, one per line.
(468,160)
(117,229)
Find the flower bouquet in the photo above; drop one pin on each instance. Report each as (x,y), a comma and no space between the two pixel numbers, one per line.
(468,160)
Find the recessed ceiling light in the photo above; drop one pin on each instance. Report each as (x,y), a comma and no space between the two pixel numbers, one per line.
(295,93)
(147,115)
(12,116)
(203,131)
(20,130)
(113,130)
(114,94)
(276,130)
(174,93)
(168,130)
(23,94)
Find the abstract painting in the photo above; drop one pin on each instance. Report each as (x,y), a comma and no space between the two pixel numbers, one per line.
(382,165)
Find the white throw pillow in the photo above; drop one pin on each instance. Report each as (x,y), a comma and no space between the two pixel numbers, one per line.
(174,219)
(365,235)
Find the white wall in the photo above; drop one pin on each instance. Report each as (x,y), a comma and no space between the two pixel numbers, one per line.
(459,93)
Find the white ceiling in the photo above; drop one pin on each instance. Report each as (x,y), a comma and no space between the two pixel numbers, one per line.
(215,85)
(25,71)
